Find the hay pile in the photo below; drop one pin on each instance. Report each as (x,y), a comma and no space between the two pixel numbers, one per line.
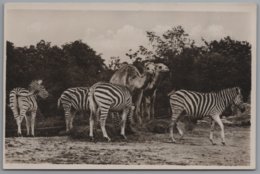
(158,126)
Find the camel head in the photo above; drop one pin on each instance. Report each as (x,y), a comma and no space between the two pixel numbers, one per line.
(160,67)
(149,67)
(137,80)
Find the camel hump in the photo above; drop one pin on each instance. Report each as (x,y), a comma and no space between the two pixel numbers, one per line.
(122,75)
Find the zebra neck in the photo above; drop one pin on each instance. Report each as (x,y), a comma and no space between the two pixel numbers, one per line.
(226,96)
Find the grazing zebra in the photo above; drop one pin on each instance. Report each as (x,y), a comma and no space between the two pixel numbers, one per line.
(73,100)
(104,97)
(199,105)
(23,101)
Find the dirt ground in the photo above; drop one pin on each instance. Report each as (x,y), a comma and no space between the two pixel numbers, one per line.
(145,148)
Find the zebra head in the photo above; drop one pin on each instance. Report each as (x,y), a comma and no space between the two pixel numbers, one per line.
(37,88)
(238,100)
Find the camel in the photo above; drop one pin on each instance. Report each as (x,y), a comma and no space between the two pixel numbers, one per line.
(149,93)
(129,76)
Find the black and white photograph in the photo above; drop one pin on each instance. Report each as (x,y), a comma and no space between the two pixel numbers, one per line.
(166,86)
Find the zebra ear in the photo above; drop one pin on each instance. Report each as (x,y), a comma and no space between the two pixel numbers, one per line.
(39,82)
(238,90)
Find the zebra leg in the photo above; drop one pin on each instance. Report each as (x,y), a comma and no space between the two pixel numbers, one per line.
(20,118)
(71,119)
(91,125)
(103,117)
(172,124)
(19,123)
(67,118)
(27,125)
(123,122)
(179,131)
(130,119)
(218,120)
(138,107)
(116,120)
(33,122)
(211,132)
(176,112)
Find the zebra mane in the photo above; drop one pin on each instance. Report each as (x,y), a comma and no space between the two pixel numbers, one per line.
(234,89)
(228,94)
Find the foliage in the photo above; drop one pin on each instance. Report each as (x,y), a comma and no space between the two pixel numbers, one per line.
(210,67)
(73,64)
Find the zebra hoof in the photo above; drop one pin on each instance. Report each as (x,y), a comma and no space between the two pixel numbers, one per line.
(181,138)
(213,143)
(174,141)
(124,137)
(92,139)
(223,143)
(108,139)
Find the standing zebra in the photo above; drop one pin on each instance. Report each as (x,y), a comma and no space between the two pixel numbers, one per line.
(199,105)
(73,100)
(23,102)
(104,97)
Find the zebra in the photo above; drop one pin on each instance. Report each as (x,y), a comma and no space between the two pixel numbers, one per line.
(73,100)
(23,101)
(104,97)
(199,105)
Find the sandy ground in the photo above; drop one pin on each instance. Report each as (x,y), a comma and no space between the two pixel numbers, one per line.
(144,148)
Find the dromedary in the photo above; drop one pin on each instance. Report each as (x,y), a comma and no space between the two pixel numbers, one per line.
(149,94)
(128,75)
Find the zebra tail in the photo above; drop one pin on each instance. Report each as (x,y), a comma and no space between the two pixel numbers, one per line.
(91,102)
(13,103)
(58,104)
(171,93)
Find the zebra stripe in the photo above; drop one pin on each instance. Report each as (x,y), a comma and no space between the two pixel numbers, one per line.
(73,100)
(23,102)
(199,105)
(104,97)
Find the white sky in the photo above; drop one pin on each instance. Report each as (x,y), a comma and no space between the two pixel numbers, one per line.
(113,33)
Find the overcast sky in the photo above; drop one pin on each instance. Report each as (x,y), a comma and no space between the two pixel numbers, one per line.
(113,33)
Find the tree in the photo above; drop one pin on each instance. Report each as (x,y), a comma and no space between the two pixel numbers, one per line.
(73,64)
(211,67)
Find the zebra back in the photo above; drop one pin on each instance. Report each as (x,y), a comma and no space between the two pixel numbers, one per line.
(75,97)
(116,97)
(201,104)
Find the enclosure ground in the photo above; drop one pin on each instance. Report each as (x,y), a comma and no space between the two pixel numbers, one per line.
(144,148)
